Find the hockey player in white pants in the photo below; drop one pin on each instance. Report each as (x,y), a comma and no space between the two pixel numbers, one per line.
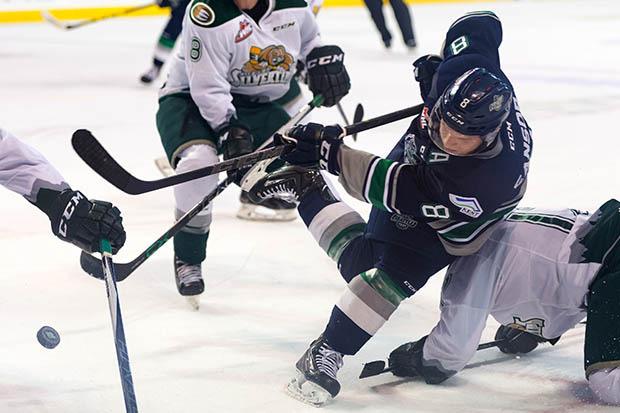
(73,217)
(539,274)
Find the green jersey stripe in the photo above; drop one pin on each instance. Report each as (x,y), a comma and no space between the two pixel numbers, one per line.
(467,231)
(563,225)
(377,186)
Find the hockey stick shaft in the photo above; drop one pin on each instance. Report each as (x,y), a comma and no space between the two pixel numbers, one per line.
(343,114)
(122,355)
(92,265)
(95,155)
(374,368)
(75,25)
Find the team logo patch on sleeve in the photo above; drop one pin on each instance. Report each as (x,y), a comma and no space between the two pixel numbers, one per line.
(468,206)
(202,15)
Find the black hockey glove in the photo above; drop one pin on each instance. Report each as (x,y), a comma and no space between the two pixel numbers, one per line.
(406,361)
(517,341)
(315,146)
(424,69)
(81,222)
(236,140)
(327,75)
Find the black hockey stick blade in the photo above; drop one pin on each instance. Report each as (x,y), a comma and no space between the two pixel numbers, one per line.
(374,368)
(94,154)
(358,115)
(93,266)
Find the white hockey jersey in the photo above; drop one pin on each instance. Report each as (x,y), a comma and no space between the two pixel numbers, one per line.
(526,276)
(224,51)
(24,170)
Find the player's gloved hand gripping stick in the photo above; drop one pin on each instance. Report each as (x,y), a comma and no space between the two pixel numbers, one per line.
(95,155)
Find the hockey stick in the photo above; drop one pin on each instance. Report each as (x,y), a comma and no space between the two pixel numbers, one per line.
(68,26)
(344,115)
(358,115)
(122,356)
(94,154)
(92,265)
(374,368)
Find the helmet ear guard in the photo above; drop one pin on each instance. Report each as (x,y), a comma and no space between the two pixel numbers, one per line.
(475,104)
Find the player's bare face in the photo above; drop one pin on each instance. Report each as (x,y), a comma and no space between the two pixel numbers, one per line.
(456,143)
(246,4)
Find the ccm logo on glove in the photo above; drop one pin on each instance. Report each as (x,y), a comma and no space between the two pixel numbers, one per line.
(325,60)
(68,212)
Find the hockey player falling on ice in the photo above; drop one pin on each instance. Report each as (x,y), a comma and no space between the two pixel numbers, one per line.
(73,217)
(221,96)
(539,274)
(458,170)
(167,38)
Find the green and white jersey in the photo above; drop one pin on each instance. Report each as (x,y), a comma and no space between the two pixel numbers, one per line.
(529,275)
(224,51)
(24,170)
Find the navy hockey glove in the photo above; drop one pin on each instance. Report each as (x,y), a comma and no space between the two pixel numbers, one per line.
(236,140)
(424,69)
(327,75)
(81,222)
(314,146)
(517,341)
(406,361)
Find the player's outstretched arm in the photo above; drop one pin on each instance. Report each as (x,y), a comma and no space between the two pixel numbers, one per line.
(73,218)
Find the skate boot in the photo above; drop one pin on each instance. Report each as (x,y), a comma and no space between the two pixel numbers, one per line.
(271,209)
(189,281)
(412,45)
(290,183)
(316,381)
(150,75)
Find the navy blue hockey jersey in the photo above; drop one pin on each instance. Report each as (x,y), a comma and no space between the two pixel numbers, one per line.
(459,198)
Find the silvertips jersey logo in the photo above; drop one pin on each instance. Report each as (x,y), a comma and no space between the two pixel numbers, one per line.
(202,15)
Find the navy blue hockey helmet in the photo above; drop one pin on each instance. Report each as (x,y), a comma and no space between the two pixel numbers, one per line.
(476,104)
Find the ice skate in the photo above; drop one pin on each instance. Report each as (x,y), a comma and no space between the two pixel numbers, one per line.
(316,382)
(289,183)
(272,209)
(189,281)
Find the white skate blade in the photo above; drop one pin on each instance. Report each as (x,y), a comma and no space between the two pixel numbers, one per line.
(307,392)
(260,213)
(193,301)
(164,166)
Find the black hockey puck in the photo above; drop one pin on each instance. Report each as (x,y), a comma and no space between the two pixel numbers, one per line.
(48,337)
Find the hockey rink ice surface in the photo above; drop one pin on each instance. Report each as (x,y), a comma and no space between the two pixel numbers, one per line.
(269,288)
